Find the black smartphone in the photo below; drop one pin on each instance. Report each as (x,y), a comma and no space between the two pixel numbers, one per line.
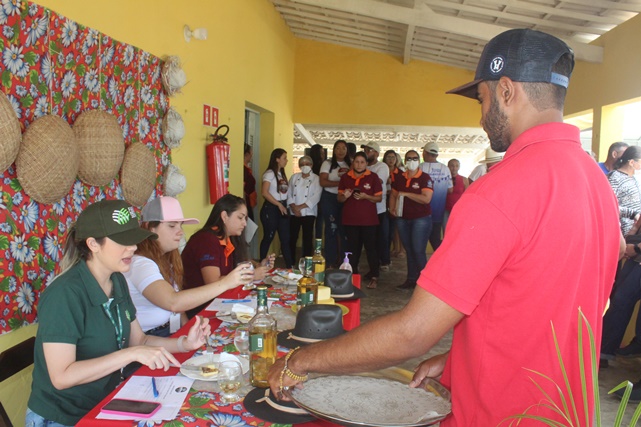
(356,190)
(130,407)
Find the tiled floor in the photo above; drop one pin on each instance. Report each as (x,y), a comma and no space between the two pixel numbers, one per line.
(386,299)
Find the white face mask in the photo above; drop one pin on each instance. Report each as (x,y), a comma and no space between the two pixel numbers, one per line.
(306,169)
(411,165)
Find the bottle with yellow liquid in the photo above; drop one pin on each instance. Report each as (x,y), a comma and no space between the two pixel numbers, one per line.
(319,262)
(307,289)
(262,342)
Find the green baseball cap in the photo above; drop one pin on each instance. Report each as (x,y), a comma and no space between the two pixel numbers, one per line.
(115,219)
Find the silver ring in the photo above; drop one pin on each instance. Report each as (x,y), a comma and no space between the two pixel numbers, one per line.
(286,388)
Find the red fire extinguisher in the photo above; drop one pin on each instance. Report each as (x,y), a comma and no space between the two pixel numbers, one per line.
(218,164)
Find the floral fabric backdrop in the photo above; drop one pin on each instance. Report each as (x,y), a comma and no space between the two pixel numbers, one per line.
(53,65)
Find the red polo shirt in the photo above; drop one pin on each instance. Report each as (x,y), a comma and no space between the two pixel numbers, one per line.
(360,212)
(539,237)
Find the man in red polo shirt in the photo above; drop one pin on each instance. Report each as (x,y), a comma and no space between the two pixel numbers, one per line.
(527,246)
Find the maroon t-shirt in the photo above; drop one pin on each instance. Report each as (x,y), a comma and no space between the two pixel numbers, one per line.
(360,212)
(419,183)
(205,249)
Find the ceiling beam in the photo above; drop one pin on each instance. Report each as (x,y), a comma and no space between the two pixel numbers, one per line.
(524,20)
(557,11)
(604,4)
(407,50)
(304,133)
(426,18)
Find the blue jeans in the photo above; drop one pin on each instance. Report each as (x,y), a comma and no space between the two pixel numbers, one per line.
(274,221)
(334,233)
(34,420)
(626,293)
(414,234)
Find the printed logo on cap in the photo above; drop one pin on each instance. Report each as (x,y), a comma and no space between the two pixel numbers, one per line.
(496,66)
(122,216)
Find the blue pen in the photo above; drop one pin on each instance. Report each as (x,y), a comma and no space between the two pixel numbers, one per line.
(232,301)
(153,386)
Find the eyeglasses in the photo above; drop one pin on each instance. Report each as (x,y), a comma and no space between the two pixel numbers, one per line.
(411,158)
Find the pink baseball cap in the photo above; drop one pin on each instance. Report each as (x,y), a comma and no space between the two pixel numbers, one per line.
(165,209)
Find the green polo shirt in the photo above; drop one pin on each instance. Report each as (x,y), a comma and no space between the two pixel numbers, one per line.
(70,311)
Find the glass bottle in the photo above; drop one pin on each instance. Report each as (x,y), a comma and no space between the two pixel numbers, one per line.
(319,262)
(307,289)
(262,342)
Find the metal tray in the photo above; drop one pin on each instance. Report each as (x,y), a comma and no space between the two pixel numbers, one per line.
(394,374)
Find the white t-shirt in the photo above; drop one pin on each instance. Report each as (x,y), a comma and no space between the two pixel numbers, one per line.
(141,274)
(478,172)
(382,170)
(304,190)
(277,187)
(334,174)
(442,178)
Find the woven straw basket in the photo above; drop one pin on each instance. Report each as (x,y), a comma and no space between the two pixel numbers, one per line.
(47,163)
(138,176)
(100,145)
(173,128)
(10,133)
(175,181)
(172,76)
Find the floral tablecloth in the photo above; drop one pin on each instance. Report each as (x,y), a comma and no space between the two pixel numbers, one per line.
(204,407)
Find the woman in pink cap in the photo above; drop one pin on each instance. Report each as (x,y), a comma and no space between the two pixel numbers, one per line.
(156,276)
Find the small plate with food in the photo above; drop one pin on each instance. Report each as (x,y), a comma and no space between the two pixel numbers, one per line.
(205,367)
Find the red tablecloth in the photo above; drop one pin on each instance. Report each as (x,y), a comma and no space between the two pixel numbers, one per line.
(206,406)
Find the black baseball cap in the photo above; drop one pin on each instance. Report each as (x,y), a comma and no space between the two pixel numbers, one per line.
(115,219)
(523,55)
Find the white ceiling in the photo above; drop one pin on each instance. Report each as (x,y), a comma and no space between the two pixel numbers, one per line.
(450,32)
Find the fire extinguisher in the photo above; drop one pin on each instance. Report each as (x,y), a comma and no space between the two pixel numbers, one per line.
(218,164)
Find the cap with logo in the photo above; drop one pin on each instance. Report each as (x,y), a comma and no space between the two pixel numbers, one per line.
(432,148)
(165,209)
(373,145)
(523,55)
(115,219)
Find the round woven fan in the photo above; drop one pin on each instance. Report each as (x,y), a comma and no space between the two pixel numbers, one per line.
(100,145)
(10,133)
(47,162)
(138,176)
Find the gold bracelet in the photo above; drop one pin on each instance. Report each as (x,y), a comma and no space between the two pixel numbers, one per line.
(289,373)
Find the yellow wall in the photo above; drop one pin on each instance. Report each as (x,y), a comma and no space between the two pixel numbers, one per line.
(249,57)
(596,87)
(341,85)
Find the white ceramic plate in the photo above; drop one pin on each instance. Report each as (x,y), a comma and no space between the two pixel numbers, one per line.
(240,317)
(206,359)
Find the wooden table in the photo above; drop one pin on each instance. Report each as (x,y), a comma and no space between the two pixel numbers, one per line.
(206,406)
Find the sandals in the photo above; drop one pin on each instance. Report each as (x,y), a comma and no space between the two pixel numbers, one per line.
(373,282)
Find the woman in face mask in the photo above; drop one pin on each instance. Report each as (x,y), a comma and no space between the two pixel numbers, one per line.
(410,204)
(359,190)
(303,196)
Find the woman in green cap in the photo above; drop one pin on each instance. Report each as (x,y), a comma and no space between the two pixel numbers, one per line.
(88,329)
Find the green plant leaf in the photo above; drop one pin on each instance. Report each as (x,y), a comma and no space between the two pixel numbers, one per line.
(6,78)
(1,44)
(50,265)
(57,97)
(17,269)
(4,242)
(85,96)
(26,101)
(175,423)
(30,58)
(15,323)
(33,242)
(4,285)
(199,412)
(15,185)
(51,224)
(81,70)
(37,284)
(33,77)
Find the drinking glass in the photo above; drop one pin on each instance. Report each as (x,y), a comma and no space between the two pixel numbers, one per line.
(301,265)
(241,340)
(249,267)
(230,380)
